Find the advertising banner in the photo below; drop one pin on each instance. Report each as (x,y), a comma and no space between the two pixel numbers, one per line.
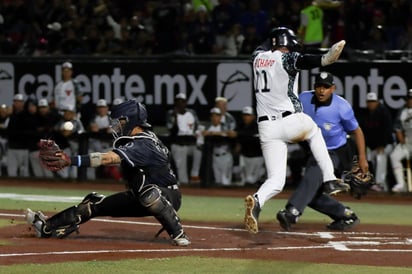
(155,82)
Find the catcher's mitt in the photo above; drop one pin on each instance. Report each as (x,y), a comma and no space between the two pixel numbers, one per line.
(51,156)
(359,182)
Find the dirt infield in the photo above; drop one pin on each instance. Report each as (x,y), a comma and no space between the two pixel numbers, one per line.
(111,239)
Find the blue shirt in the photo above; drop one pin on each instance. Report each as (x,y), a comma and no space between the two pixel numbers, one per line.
(335,118)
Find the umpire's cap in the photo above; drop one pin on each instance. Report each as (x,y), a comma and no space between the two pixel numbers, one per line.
(324,78)
(284,37)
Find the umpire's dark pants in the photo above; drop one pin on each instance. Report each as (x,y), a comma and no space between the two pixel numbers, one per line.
(309,191)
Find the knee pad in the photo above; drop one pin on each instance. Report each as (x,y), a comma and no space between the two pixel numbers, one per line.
(85,209)
(150,197)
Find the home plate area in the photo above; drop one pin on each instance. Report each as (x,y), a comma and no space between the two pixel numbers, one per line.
(125,238)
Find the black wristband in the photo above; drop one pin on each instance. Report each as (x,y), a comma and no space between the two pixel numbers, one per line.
(80,160)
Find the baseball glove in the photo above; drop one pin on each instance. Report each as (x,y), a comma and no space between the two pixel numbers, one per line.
(51,156)
(359,182)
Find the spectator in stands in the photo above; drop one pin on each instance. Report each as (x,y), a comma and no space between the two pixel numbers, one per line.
(311,26)
(165,18)
(224,16)
(201,33)
(182,123)
(406,40)
(255,16)
(24,25)
(18,128)
(251,41)
(92,39)
(208,4)
(377,126)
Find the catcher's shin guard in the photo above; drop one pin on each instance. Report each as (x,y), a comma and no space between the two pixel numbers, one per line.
(63,223)
(67,221)
(151,198)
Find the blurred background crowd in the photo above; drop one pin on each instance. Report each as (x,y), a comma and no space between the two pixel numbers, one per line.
(184,27)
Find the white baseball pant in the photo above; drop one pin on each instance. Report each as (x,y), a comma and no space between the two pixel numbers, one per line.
(274,137)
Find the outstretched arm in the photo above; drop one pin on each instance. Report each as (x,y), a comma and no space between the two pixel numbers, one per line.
(308,61)
(96,159)
(55,159)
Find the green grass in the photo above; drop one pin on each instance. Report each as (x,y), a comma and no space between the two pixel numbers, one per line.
(180,265)
(198,208)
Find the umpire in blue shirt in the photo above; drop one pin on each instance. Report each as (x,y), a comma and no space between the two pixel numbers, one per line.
(336,119)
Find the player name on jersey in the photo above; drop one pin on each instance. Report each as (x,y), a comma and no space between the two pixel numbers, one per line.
(264,62)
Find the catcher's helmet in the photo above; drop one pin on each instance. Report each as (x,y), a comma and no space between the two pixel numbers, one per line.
(126,116)
(284,37)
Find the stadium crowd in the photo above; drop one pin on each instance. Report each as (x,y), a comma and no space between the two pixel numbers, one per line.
(184,27)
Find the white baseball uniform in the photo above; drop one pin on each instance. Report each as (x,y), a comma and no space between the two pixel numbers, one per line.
(65,94)
(184,143)
(281,120)
(402,151)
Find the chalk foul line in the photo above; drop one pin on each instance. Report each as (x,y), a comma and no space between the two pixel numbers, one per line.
(360,239)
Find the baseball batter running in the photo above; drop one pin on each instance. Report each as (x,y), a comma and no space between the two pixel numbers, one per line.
(152,186)
(276,65)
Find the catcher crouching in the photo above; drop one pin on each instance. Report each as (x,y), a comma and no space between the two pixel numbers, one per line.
(152,188)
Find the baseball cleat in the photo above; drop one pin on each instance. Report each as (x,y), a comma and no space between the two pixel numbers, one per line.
(286,219)
(37,220)
(32,216)
(344,224)
(333,187)
(29,216)
(181,240)
(252,214)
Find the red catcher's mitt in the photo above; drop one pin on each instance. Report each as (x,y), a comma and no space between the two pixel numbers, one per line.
(51,156)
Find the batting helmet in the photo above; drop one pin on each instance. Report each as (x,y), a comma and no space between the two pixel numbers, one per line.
(126,116)
(284,37)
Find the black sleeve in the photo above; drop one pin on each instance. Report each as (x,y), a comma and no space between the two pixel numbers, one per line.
(308,61)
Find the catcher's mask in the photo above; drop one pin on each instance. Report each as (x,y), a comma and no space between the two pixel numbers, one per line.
(284,37)
(126,116)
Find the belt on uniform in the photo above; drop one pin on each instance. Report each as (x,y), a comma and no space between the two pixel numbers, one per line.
(220,154)
(173,187)
(271,118)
